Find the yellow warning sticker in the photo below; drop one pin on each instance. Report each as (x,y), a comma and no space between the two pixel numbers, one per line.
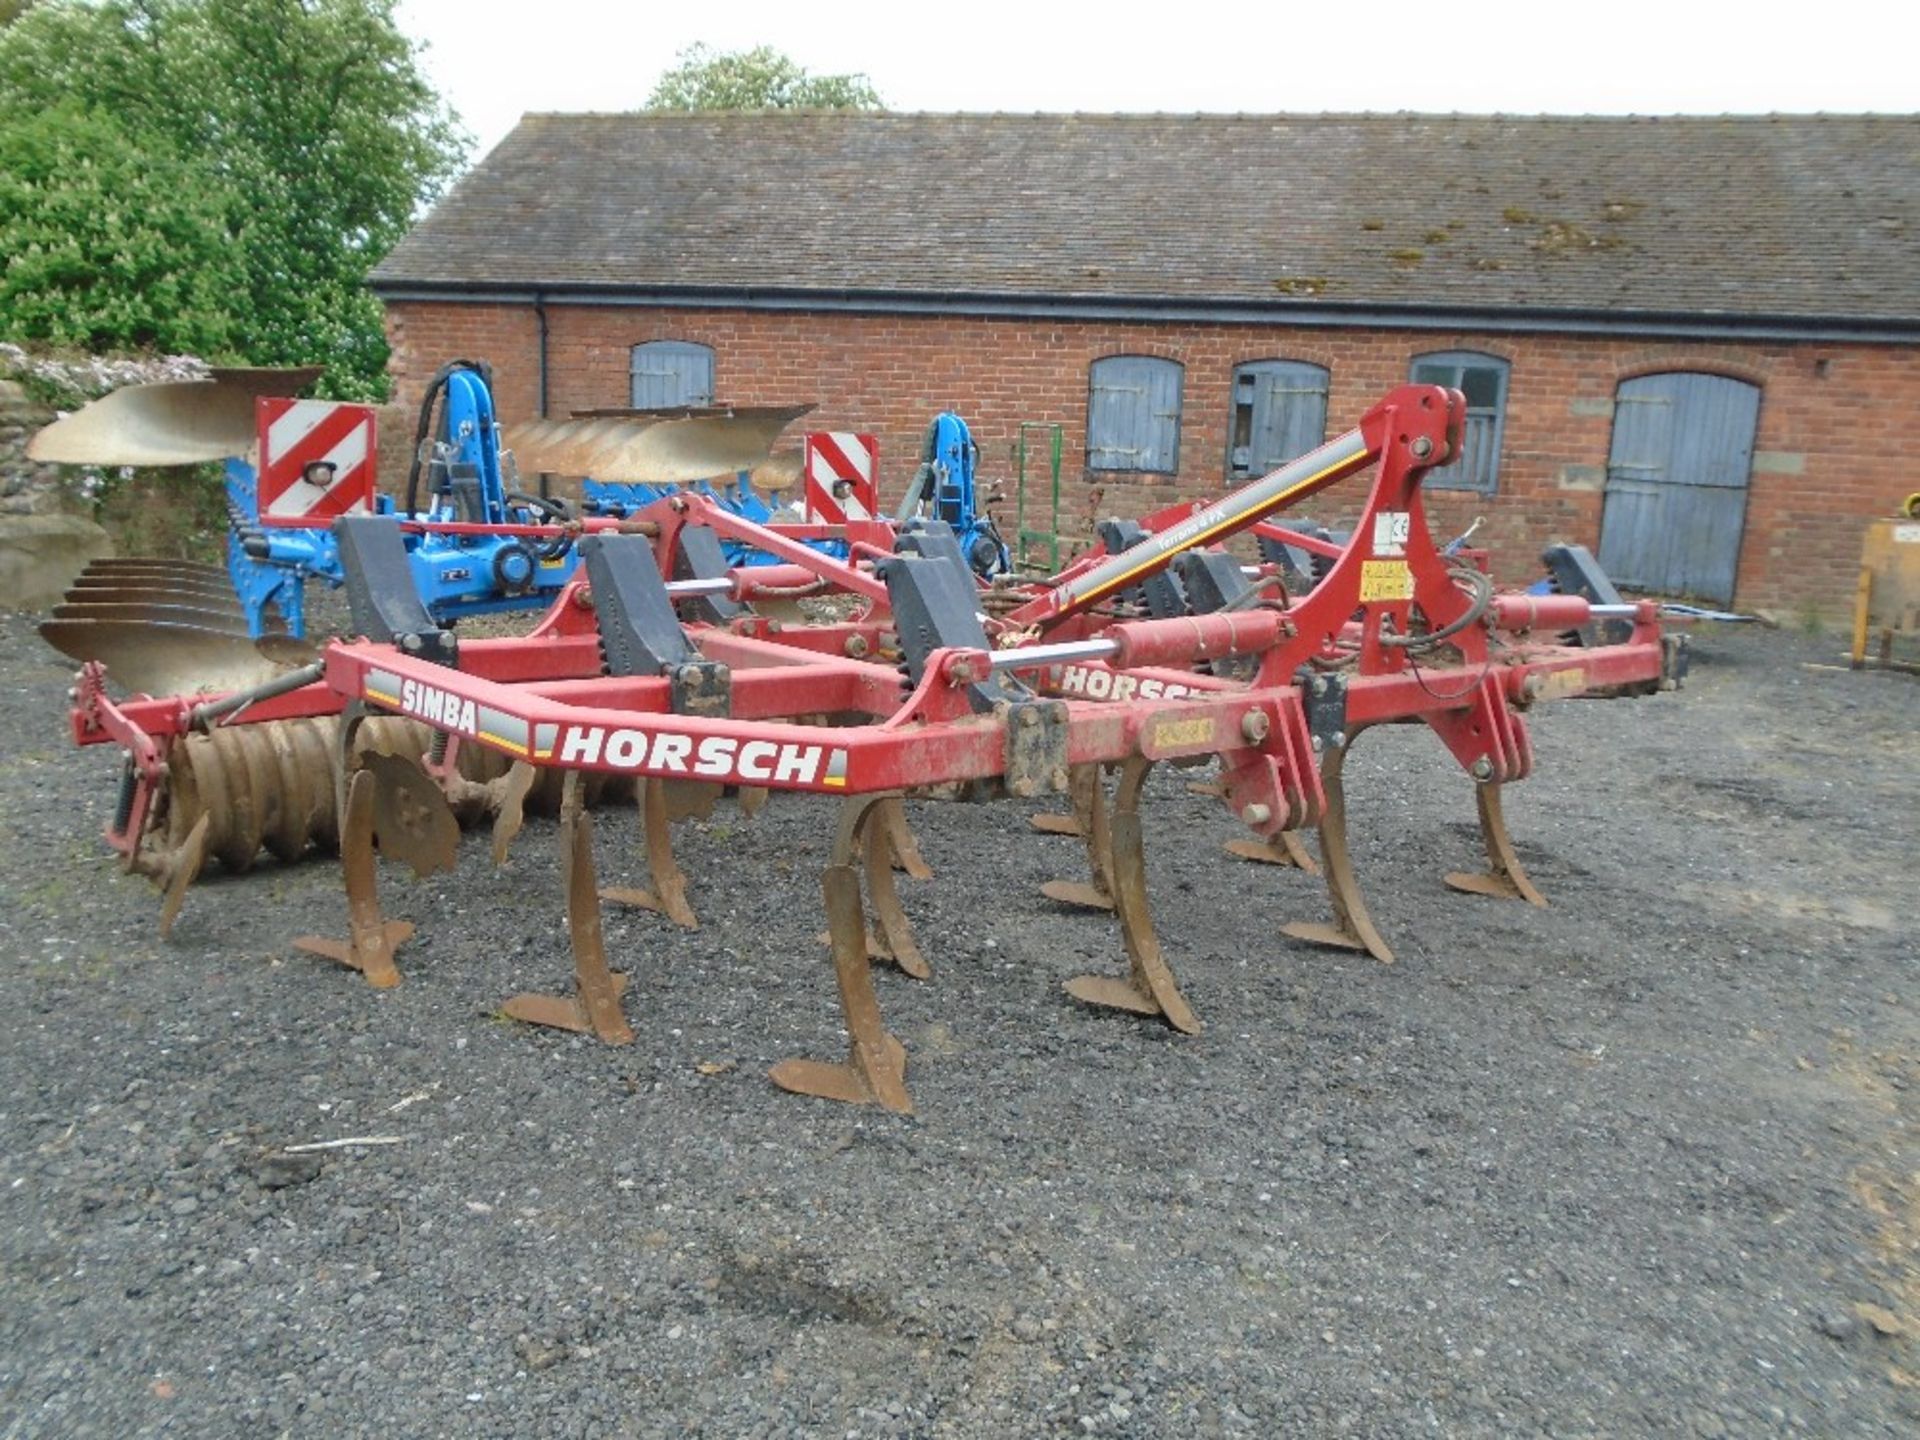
(1385,580)
(1559,684)
(1172,735)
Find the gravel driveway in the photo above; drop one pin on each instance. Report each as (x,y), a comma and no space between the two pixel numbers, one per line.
(1644,1163)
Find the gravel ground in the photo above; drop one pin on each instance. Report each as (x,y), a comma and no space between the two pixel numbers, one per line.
(1644,1163)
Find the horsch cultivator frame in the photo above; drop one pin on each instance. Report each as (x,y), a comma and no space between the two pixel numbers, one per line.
(941,688)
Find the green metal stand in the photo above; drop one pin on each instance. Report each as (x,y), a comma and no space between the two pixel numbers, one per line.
(1024,536)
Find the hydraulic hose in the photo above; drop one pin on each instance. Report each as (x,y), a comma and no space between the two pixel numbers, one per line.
(435,387)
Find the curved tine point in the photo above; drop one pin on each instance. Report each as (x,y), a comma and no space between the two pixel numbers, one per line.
(1087,790)
(1505,878)
(1149,988)
(512,814)
(874,1071)
(1078,893)
(1352,927)
(183,868)
(1284,849)
(880,843)
(656,833)
(1048,823)
(372,939)
(597,994)
(904,848)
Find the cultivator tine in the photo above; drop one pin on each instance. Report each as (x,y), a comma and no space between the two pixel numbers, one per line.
(1048,823)
(752,799)
(1149,988)
(874,1072)
(1286,848)
(669,893)
(183,868)
(512,813)
(1090,823)
(1352,927)
(1504,878)
(903,848)
(372,937)
(594,1007)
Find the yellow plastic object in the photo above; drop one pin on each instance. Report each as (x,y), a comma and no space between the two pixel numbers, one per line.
(1888,597)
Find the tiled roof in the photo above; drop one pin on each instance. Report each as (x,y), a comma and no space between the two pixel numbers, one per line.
(1790,216)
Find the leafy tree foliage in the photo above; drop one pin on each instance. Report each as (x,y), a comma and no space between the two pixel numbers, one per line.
(757,79)
(305,127)
(111,242)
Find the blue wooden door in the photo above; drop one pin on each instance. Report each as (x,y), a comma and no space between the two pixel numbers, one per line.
(1676,502)
(1279,414)
(667,374)
(1133,414)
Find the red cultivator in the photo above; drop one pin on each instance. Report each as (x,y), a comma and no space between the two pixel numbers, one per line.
(940,689)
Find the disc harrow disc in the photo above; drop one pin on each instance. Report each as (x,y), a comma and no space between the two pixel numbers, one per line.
(412,821)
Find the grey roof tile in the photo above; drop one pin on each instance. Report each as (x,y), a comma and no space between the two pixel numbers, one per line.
(1750,215)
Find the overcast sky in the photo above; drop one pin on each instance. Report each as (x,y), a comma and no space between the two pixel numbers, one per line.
(1548,56)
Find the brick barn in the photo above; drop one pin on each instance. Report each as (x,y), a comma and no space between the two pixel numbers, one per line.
(1687,342)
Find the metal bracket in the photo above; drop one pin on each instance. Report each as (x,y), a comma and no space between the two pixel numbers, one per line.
(1575,572)
(382,599)
(1212,580)
(697,556)
(703,687)
(1160,592)
(1324,699)
(936,607)
(1036,761)
(639,631)
(933,540)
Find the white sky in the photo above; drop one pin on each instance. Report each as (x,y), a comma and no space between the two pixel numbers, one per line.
(494,62)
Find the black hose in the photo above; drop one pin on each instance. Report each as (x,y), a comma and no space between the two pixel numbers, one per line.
(1482,586)
(556,511)
(435,387)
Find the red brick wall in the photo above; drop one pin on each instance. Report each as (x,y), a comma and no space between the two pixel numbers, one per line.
(1828,413)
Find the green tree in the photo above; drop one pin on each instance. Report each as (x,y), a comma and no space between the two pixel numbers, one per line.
(110,242)
(757,79)
(311,120)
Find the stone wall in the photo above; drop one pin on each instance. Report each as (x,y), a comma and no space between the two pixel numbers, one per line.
(25,487)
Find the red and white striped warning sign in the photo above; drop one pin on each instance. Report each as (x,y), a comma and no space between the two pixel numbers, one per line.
(316,461)
(841,471)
